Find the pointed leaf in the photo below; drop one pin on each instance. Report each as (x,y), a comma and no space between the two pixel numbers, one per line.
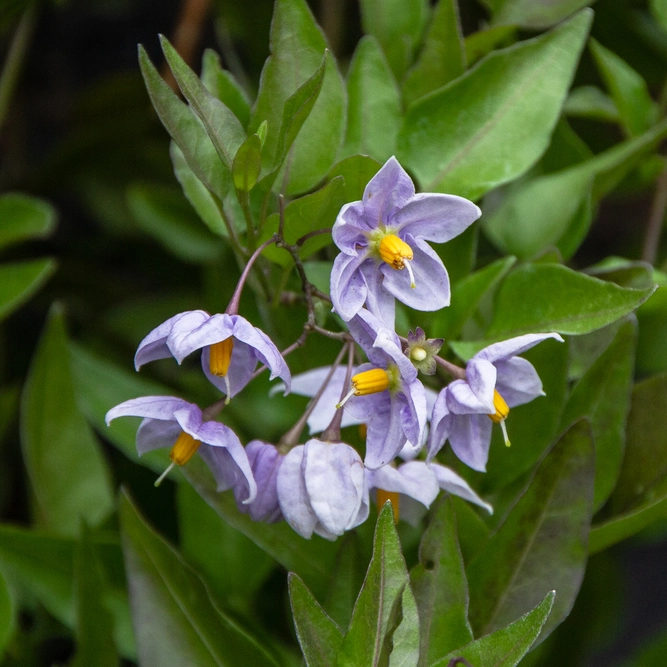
(20,280)
(482,42)
(440,587)
(297,50)
(177,621)
(186,130)
(94,624)
(442,58)
(591,102)
(222,84)
(319,637)
(24,217)
(222,126)
(535,14)
(404,645)
(542,545)
(602,395)
(247,164)
(69,476)
(492,124)
(386,579)
(374,104)
(505,647)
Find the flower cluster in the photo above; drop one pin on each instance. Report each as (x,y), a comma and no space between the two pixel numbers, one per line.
(325,486)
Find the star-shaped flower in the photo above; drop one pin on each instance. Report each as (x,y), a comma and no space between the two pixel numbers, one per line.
(496,380)
(173,422)
(231,346)
(383,246)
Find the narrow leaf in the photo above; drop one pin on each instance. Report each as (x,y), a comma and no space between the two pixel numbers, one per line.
(222,84)
(542,545)
(24,217)
(505,647)
(440,587)
(65,465)
(535,14)
(176,620)
(319,637)
(20,280)
(492,124)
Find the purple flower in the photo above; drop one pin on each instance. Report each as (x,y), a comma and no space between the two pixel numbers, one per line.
(384,250)
(231,346)
(496,380)
(173,422)
(321,489)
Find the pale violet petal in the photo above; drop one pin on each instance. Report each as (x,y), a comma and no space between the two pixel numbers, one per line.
(449,481)
(518,381)
(461,400)
(470,438)
(156,433)
(513,346)
(155,407)
(413,479)
(154,345)
(388,191)
(481,377)
(293,495)
(194,330)
(349,230)
(441,424)
(348,287)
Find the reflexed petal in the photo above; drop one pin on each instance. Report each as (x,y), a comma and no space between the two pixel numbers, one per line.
(388,342)
(441,424)
(221,464)
(154,345)
(470,438)
(461,400)
(386,192)
(513,346)
(481,377)
(265,461)
(156,433)
(457,486)
(334,476)
(518,381)
(378,301)
(436,217)
(432,290)
(364,327)
(348,287)
(414,479)
(413,411)
(241,368)
(194,330)
(293,495)
(384,436)
(349,229)
(155,407)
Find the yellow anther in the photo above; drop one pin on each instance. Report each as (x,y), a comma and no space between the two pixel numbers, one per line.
(184,448)
(372,381)
(220,356)
(395,251)
(391,496)
(502,409)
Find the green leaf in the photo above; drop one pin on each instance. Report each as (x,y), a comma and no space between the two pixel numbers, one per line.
(628,90)
(222,126)
(7,616)
(533,426)
(20,280)
(466,295)
(482,42)
(186,130)
(297,50)
(442,58)
(67,471)
(319,637)
(374,619)
(591,102)
(163,213)
(548,297)
(232,563)
(404,645)
(374,104)
(312,559)
(506,647)
(304,215)
(201,199)
(98,386)
(535,14)
(222,84)
(24,217)
(539,213)
(247,163)
(542,544)
(440,586)
(603,396)
(357,170)
(176,619)
(659,11)
(492,124)
(398,26)
(652,343)
(94,624)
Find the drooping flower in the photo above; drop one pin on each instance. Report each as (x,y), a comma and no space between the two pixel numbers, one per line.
(496,380)
(231,348)
(321,488)
(173,422)
(384,250)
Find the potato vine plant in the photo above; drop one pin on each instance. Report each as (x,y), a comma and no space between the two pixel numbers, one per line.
(401,242)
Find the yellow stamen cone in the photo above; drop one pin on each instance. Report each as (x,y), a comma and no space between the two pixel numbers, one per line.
(372,381)
(395,251)
(221,356)
(184,448)
(391,496)
(502,409)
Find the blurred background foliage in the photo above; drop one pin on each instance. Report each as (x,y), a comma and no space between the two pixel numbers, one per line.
(104,246)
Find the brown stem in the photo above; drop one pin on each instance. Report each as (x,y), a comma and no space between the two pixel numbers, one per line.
(332,432)
(233,307)
(656,220)
(302,239)
(455,371)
